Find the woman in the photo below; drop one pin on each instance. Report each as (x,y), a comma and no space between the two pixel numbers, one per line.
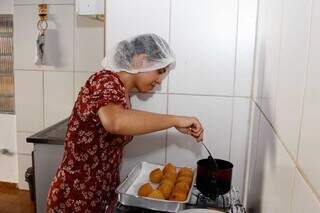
(102,123)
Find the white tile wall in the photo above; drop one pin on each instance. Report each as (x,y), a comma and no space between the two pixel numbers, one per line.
(58,96)
(204,46)
(151,147)
(246,33)
(89,37)
(275,172)
(25,2)
(239,141)
(310,130)
(288,36)
(25,29)
(215,113)
(272,33)
(22,146)
(293,58)
(8,163)
(304,200)
(24,162)
(29,100)
(251,195)
(59,37)
(59,41)
(59,1)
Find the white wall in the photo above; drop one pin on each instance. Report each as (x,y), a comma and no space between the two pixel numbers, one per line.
(8,163)
(284,173)
(45,94)
(6,6)
(213,42)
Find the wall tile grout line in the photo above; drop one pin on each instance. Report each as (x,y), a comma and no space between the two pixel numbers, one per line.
(33,4)
(307,70)
(234,80)
(296,164)
(168,81)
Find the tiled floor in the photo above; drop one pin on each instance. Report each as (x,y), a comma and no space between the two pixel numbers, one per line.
(13,200)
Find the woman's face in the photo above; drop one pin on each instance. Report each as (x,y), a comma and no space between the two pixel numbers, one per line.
(146,81)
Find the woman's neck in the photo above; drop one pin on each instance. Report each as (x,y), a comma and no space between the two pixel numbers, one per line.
(128,80)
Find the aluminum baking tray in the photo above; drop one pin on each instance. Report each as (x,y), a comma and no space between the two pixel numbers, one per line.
(127,190)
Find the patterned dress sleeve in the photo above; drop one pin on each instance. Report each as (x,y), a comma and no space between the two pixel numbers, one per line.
(99,91)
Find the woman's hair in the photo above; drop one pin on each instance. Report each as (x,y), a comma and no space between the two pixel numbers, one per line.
(154,47)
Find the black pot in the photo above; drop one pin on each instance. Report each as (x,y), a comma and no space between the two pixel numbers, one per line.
(214,179)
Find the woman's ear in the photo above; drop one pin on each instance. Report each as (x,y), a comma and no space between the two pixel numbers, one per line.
(139,60)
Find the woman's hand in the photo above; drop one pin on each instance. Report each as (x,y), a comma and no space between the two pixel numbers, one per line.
(190,126)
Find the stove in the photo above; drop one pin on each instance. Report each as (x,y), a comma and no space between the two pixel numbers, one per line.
(229,203)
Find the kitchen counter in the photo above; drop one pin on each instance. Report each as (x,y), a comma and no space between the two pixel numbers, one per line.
(47,154)
(54,134)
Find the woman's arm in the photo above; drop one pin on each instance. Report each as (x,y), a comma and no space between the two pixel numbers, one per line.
(117,120)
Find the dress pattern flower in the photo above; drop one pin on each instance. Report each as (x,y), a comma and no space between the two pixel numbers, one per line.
(89,172)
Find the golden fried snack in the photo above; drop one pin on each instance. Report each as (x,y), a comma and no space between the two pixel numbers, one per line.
(184,179)
(170,176)
(177,196)
(169,168)
(181,187)
(167,182)
(156,194)
(185,171)
(155,176)
(145,190)
(166,189)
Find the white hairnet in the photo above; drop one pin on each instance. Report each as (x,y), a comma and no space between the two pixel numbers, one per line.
(154,53)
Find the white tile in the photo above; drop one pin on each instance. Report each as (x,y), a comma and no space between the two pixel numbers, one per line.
(58,96)
(304,200)
(204,46)
(274,173)
(80,79)
(24,162)
(59,46)
(245,46)
(8,133)
(250,191)
(29,100)
(239,141)
(290,87)
(59,37)
(24,2)
(272,36)
(22,146)
(25,32)
(310,130)
(259,53)
(9,168)
(215,113)
(149,147)
(89,44)
(59,1)
(137,17)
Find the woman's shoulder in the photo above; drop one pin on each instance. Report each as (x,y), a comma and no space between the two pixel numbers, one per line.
(104,75)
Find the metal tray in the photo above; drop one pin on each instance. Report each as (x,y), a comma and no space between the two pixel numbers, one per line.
(127,190)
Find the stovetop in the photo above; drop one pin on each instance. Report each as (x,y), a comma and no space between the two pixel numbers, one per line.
(229,203)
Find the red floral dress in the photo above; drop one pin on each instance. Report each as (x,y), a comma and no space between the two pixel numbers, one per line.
(89,172)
